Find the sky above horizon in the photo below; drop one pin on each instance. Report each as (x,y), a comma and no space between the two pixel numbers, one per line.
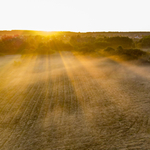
(75,15)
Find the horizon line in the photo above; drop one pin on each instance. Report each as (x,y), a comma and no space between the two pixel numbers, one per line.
(72,31)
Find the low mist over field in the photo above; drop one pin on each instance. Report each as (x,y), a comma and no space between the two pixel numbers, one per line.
(74,75)
(65,90)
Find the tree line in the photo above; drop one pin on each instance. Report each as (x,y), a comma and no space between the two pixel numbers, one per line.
(19,44)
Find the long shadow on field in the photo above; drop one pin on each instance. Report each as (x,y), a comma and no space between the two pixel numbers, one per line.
(68,108)
(35,106)
(64,95)
(98,108)
(134,83)
(108,116)
(73,91)
(22,115)
(49,101)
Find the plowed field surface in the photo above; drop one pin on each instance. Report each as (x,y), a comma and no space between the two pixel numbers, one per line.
(68,102)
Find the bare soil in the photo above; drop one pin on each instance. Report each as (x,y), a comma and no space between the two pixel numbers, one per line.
(69,102)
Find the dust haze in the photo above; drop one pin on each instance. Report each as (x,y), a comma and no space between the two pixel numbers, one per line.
(71,101)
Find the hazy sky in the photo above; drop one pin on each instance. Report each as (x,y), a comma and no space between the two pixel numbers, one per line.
(75,15)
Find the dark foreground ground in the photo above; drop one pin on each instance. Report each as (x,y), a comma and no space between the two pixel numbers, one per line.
(72,102)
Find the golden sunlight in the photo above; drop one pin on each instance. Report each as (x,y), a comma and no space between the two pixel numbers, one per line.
(66,82)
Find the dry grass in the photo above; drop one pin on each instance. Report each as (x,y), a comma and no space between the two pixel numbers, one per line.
(64,101)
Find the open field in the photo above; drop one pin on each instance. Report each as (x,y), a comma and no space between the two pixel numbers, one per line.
(65,102)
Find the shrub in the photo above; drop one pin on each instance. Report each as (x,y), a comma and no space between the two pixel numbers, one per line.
(130,53)
(125,53)
(119,48)
(124,41)
(135,53)
(144,42)
(109,49)
(86,49)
